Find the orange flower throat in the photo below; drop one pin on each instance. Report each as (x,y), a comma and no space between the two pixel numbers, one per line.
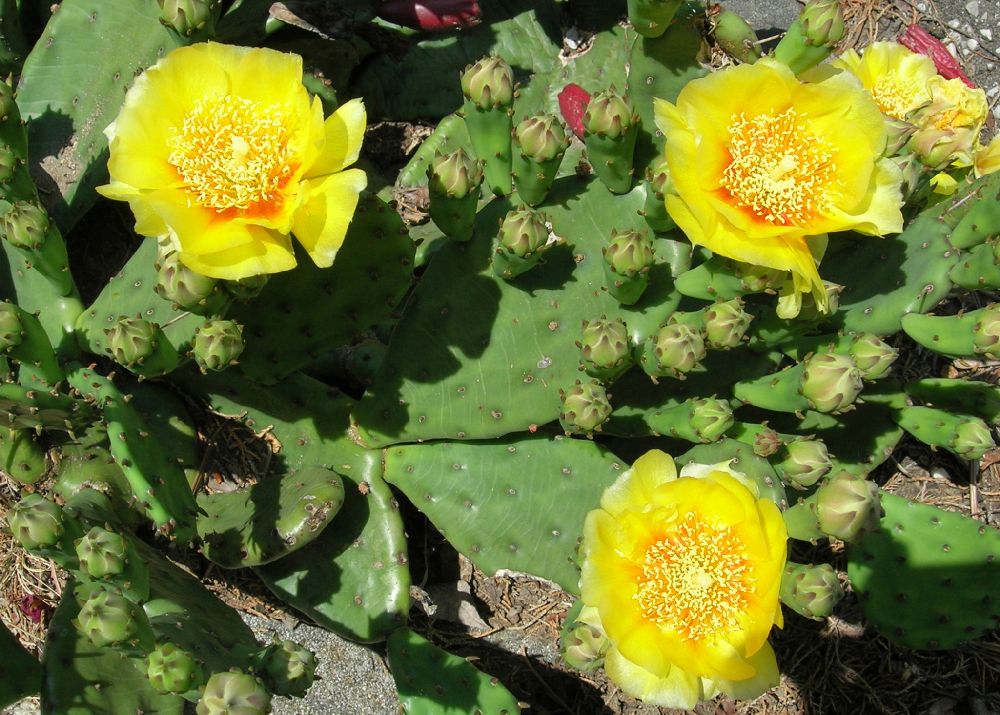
(232,154)
(696,580)
(779,168)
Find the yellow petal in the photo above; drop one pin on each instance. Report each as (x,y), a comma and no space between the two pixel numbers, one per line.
(723,660)
(266,252)
(880,211)
(321,221)
(344,131)
(635,487)
(987,158)
(765,676)
(678,689)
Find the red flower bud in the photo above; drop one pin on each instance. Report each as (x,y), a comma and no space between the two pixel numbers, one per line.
(431,15)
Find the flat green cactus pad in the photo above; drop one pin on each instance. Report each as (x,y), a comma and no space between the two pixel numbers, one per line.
(494,501)
(929,577)
(20,673)
(432,681)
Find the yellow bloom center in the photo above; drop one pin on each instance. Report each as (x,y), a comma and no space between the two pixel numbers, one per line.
(695,581)
(896,96)
(232,153)
(780,169)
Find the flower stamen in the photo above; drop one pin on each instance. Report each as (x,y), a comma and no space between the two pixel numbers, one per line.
(695,581)
(779,169)
(232,154)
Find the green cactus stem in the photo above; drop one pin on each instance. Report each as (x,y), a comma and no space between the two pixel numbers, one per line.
(611,127)
(650,18)
(845,507)
(812,37)
(23,339)
(488,87)
(26,227)
(523,237)
(289,668)
(810,590)
(965,396)
(627,260)
(217,344)
(658,184)
(721,278)
(971,334)
(734,35)
(453,182)
(977,269)
(20,673)
(695,420)
(965,436)
(36,522)
(234,693)
(540,142)
(21,456)
(171,669)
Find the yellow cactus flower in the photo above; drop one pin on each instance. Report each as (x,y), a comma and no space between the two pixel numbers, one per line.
(948,128)
(221,149)
(762,161)
(896,76)
(987,158)
(683,573)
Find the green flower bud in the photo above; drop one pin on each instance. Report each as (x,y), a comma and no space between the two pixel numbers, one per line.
(972,439)
(811,590)
(179,284)
(171,669)
(726,323)
(217,344)
(986,333)
(541,138)
(734,35)
(584,647)
(848,507)
(658,175)
(289,668)
(822,22)
(9,162)
(757,279)
(36,522)
(831,382)
(711,418)
(11,330)
(766,442)
(523,232)
(629,253)
(609,114)
(25,225)
(108,618)
(7,103)
(678,348)
(806,462)
(247,288)
(102,553)
(454,175)
(132,340)
(872,355)
(605,347)
(810,311)
(489,83)
(187,16)
(585,407)
(234,693)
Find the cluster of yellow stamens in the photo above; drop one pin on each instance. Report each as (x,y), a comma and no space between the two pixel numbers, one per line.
(696,580)
(895,96)
(780,169)
(232,153)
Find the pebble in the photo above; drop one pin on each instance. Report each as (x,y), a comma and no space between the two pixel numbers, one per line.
(973,44)
(993,91)
(987,33)
(972,8)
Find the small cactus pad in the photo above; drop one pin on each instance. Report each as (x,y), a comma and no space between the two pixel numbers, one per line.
(432,681)
(928,578)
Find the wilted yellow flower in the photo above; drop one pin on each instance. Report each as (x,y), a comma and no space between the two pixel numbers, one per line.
(896,77)
(761,161)
(222,149)
(987,158)
(683,572)
(948,128)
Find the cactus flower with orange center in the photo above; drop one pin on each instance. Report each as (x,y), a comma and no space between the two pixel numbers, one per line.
(896,77)
(765,165)
(222,149)
(683,574)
